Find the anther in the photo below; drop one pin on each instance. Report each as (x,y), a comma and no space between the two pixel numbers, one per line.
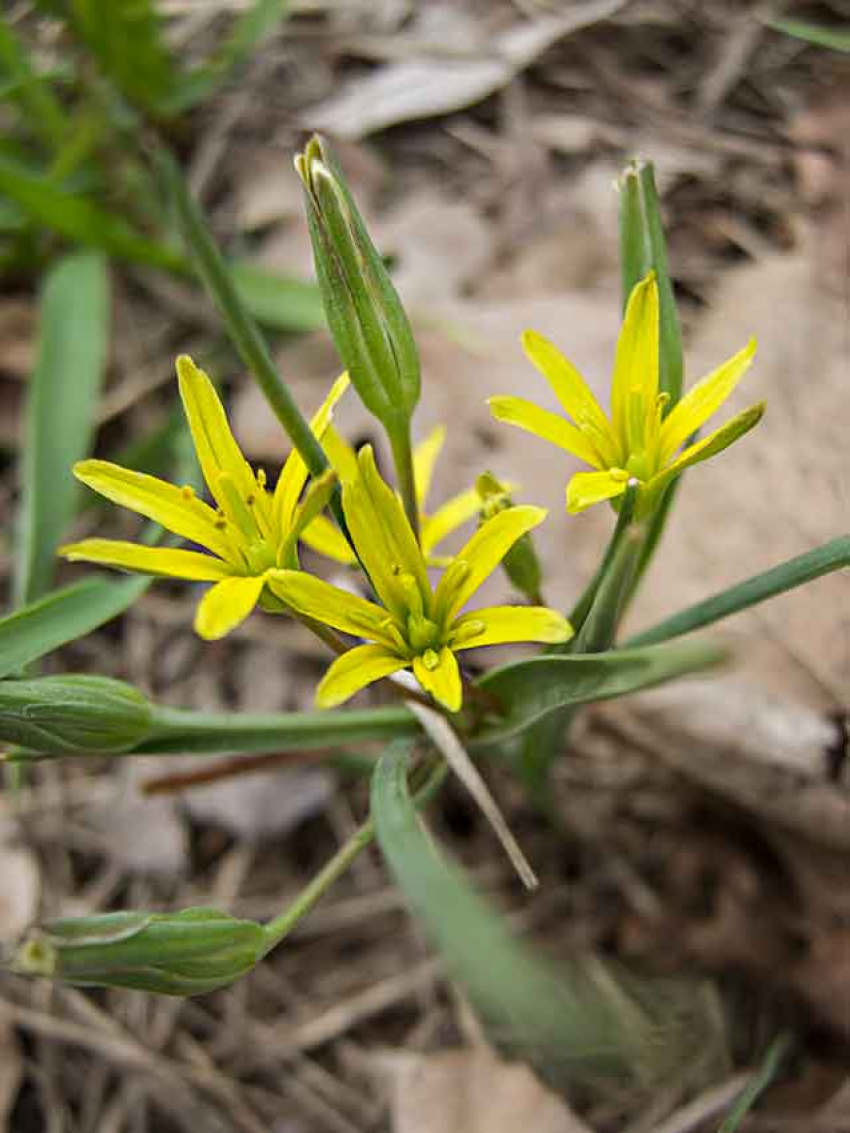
(430,660)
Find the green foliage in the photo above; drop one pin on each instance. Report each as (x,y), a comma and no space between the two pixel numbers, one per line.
(63,398)
(62,616)
(837,39)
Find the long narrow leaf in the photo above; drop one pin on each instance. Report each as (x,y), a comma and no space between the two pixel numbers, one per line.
(558,1016)
(63,616)
(63,398)
(44,115)
(804,568)
(530,690)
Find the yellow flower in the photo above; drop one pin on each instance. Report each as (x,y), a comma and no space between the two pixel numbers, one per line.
(324,537)
(637,441)
(250,532)
(416,627)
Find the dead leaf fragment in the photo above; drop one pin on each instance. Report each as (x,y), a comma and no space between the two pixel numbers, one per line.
(469,1091)
(432,85)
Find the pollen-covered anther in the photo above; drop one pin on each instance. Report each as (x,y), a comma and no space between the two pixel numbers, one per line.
(187,492)
(262,479)
(430,660)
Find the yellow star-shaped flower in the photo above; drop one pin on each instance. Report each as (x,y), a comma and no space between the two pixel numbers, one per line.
(416,626)
(324,537)
(637,441)
(249,533)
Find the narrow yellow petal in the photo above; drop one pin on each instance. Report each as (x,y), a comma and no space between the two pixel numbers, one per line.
(354,670)
(340,453)
(480,556)
(548,426)
(424,459)
(587,488)
(636,364)
(499,625)
(147,560)
(325,537)
(293,475)
(214,443)
(439,675)
(314,598)
(704,399)
(227,604)
(570,388)
(177,509)
(383,537)
(709,446)
(454,512)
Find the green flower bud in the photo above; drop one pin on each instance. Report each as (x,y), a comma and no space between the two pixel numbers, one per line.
(186,953)
(521,563)
(75,714)
(364,312)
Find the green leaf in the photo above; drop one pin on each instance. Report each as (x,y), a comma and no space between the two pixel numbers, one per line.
(63,616)
(530,690)
(836,38)
(78,218)
(63,398)
(804,568)
(43,113)
(124,37)
(560,1016)
(249,30)
(275,300)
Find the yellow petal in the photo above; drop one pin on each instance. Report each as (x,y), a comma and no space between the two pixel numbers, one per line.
(147,560)
(177,509)
(636,364)
(709,446)
(227,604)
(587,488)
(704,399)
(314,598)
(293,475)
(499,625)
(424,459)
(448,518)
(383,537)
(340,453)
(439,674)
(214,443)
(548,426)
(325,537)
(354,670)
(480,556)
(568,385)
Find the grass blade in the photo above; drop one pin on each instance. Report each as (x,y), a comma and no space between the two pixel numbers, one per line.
(63,398)
(758,1084)
(63,616)
(558,1016)
(804,568)
(530,690)
(836,38)
(43,113)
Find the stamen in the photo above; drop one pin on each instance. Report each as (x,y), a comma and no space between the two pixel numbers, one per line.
(430,660)
(262,480)
(469,630)
(187,492)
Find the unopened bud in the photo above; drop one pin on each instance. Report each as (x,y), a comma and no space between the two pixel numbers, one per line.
(364,312)
(186,953)
(77,714)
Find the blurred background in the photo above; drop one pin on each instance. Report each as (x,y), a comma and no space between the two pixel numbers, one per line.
(703,831)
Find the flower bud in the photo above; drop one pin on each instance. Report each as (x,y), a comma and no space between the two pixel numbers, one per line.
(75,714)
(186,953)
(521,563)
(363,309)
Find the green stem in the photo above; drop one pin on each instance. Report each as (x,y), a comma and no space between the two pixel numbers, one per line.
(403,460)
(279,928)
(584,605)
(758,1084)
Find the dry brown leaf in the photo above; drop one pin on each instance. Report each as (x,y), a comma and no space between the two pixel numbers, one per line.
(469,1091)
(438,84)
